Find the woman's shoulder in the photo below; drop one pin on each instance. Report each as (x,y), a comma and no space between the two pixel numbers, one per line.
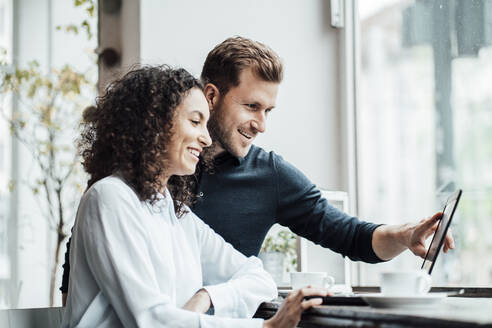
(112,187)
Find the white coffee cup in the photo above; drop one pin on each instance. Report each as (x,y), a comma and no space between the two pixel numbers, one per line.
(313,279)
(405,283)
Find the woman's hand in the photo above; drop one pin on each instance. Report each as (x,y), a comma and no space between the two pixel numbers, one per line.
(289,313)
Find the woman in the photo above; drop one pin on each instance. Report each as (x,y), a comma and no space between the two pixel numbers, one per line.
(140,257)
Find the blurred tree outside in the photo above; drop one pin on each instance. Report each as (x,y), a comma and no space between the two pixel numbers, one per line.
(45,121)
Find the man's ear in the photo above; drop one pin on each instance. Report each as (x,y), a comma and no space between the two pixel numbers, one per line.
(212,94)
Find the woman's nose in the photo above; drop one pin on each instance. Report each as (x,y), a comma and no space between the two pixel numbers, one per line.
(205,139)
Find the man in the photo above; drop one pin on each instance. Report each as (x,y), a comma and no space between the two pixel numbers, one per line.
(249,189)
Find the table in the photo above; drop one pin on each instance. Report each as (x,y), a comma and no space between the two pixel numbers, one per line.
(452,312)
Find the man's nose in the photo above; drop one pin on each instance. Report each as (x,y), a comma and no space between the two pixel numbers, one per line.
(259,123)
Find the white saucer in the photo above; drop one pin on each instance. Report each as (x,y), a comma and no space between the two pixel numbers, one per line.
(398,301)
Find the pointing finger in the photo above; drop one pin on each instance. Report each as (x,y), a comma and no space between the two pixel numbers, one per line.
(430,231)
(428,223)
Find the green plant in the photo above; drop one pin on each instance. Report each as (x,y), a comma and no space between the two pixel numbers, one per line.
(89,6)
(284,242)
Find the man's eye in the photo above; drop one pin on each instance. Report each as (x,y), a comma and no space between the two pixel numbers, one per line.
(252,106)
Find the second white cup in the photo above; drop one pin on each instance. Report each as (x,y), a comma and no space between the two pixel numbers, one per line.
(405,283)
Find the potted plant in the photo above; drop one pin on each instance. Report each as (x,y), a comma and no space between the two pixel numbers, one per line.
(278,254)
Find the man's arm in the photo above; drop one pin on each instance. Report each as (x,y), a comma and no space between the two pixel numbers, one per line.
(389,241)
(301,207)
(304,211)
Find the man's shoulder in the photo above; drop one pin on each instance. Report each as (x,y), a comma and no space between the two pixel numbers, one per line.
(259,155)
(284,169)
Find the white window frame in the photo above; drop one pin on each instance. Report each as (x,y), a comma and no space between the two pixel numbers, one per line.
(350,62)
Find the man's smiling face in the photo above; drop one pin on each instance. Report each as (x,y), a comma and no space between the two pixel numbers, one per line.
(237,117)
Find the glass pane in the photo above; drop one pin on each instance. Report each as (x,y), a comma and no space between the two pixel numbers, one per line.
(5,141)
(425,126)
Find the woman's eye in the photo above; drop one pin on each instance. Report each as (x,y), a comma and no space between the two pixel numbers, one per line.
(195,122)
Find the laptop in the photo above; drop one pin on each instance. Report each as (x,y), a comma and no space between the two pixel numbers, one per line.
(430,258)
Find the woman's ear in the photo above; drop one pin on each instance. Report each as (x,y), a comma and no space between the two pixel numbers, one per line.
(212,95)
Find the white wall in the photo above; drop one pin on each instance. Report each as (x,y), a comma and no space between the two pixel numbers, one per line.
(304,127)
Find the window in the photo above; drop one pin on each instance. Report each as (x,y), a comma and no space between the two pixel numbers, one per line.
(5,44)
(424,126)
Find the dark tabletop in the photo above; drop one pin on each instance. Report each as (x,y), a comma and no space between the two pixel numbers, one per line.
(450,312)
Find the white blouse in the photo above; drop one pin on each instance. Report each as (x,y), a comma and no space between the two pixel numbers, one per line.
(134,264)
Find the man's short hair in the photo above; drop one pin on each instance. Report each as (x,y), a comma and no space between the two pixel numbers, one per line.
(226,61)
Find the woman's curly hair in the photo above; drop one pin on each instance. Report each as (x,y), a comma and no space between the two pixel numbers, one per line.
(128,131)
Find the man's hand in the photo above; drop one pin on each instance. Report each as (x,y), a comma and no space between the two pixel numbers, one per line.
(200,302)
(289,313)
(421,231)
(390,240)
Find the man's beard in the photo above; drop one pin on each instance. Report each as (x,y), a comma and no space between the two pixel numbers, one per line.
(219,133)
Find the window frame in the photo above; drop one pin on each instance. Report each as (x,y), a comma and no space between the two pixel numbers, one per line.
(350,63)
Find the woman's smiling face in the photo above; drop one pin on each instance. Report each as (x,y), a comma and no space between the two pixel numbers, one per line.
(190,134)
